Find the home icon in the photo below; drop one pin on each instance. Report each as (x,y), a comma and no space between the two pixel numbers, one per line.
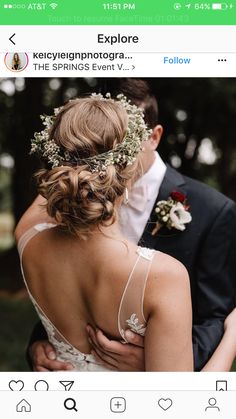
(23,406)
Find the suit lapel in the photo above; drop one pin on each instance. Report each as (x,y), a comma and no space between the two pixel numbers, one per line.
(173,181)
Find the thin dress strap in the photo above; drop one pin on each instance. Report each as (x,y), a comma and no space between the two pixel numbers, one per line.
(29,234)
(131,314)
(21,245)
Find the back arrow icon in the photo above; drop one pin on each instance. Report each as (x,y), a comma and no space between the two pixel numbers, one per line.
(10,39)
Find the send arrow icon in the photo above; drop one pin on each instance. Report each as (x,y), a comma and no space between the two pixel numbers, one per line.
(67,384)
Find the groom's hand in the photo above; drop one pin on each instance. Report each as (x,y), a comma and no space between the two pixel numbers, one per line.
(43,357)
(116,355)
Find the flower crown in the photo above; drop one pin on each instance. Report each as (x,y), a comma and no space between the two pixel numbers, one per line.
(123,154)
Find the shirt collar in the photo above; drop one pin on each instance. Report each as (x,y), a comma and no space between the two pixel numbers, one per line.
(154,176)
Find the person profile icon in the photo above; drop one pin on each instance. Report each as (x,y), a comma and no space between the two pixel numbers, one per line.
(212,405)
(16,61)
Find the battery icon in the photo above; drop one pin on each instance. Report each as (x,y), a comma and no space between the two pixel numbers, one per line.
(217,6)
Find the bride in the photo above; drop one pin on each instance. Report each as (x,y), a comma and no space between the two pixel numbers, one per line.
(77,266)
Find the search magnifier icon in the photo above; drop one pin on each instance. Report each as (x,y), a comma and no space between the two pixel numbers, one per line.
(70,404)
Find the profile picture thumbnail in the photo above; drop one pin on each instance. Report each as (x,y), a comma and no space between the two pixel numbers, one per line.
(16,61)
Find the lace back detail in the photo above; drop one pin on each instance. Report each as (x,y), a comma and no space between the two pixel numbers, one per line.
(131,315)
(64,350)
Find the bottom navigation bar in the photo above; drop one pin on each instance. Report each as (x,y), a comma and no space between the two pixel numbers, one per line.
(132,404)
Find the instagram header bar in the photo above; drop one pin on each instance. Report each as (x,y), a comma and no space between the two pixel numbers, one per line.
(119,38)
(118,52)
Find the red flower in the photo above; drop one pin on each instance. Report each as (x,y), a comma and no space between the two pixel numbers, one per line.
(178,196)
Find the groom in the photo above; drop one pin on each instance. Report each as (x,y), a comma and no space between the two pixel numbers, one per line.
(206,247)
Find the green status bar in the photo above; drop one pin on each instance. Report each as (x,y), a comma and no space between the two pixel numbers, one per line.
(139,12)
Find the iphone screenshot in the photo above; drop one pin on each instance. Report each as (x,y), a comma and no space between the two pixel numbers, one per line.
(117,209)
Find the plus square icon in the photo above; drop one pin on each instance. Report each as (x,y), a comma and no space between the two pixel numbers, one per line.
(118,404)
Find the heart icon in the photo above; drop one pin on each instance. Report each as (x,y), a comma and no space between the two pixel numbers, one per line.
(16,385)
(165,404)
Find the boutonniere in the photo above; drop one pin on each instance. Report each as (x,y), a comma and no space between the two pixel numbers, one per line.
(172,213)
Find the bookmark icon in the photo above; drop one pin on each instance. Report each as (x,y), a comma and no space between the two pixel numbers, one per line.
(221,385)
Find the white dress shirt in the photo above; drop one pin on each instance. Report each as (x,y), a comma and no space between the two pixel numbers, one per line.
(142,197)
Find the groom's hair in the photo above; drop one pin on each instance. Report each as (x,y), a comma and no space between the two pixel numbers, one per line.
(139,93)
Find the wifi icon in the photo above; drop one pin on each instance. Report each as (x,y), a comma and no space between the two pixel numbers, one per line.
(53,5)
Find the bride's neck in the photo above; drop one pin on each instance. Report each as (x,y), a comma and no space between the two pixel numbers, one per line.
(103,234)
(103,239)
(106,232)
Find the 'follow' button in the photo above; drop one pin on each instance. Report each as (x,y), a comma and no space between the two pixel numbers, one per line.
(177,60)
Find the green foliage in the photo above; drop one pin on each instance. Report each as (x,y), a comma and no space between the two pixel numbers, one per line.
(5,190)
(6,231)
(17,320)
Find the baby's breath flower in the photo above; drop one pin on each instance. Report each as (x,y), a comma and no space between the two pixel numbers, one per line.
(122,155)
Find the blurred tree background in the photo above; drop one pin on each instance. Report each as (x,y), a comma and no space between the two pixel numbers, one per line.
(199,139)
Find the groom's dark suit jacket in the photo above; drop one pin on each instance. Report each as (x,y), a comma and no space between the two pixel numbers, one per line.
(208,250)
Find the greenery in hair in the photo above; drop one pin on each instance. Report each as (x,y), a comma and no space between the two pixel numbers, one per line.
(122,155)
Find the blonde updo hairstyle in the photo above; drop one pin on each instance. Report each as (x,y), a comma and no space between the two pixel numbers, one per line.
(77,198)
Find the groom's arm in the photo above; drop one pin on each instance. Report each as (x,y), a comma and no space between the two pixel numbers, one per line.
(115,355)
(215,284)
(41,355)
(36,213)
(38,334)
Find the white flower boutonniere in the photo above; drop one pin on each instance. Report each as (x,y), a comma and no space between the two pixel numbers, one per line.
(172,213)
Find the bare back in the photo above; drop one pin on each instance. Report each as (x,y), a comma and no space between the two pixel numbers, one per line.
(75,284)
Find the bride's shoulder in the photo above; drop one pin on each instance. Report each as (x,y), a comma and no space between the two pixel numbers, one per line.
(168,281)
(165,266)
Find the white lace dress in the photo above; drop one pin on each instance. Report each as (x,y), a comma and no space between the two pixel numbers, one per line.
(130,313)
